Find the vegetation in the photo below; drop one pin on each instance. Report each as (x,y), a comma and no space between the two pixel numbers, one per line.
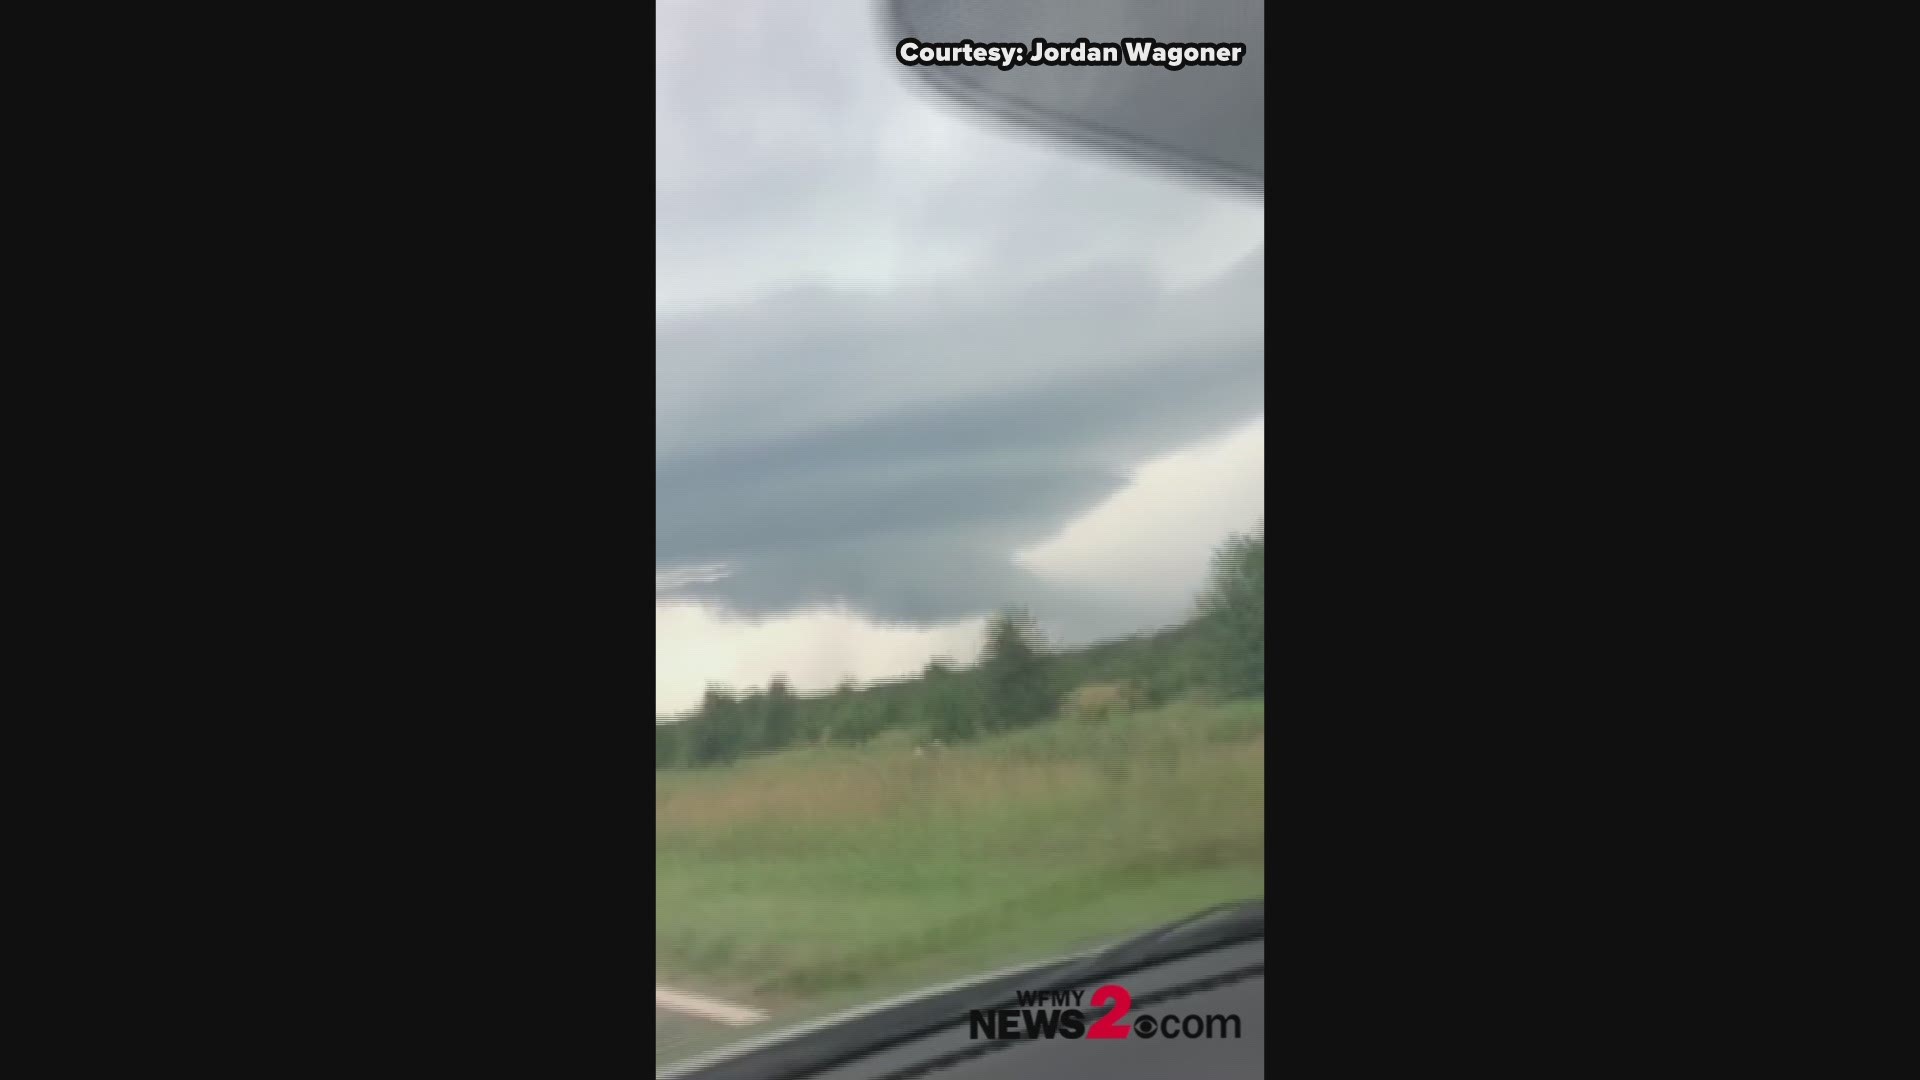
(966,819)
(1233,616)
(1220,652)
(826,875)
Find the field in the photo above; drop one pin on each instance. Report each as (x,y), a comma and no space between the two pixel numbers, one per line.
(816,878)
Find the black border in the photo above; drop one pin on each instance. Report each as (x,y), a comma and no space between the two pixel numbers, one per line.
(345,584)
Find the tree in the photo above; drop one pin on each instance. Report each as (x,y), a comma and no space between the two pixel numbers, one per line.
(1018,686)
(778,718)
(857,720)
(669,745)
(716,735)
(1233,614)
(949,709)
(837,712)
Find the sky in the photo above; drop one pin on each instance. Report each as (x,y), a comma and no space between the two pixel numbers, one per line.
(913,366)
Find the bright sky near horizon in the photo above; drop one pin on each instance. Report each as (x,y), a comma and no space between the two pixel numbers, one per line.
(913,367)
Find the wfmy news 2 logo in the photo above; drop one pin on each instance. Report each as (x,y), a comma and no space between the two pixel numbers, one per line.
(1058,1014)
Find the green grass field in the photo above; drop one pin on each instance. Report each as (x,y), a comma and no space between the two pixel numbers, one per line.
(817,878)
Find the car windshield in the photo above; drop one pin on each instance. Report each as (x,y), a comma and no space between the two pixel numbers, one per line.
(960,556)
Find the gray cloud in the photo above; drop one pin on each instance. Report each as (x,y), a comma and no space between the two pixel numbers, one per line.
(909,503)
(895,346)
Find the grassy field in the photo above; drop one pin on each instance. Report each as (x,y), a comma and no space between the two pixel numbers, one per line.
(816,878)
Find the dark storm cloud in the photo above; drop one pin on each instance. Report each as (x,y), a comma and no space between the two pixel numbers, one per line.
(896,346)
(910,508)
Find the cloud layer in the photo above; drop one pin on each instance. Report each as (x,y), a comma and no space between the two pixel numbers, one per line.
(894,456)
(897,348)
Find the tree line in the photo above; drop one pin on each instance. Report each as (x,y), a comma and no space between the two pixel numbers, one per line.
(1018,681)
